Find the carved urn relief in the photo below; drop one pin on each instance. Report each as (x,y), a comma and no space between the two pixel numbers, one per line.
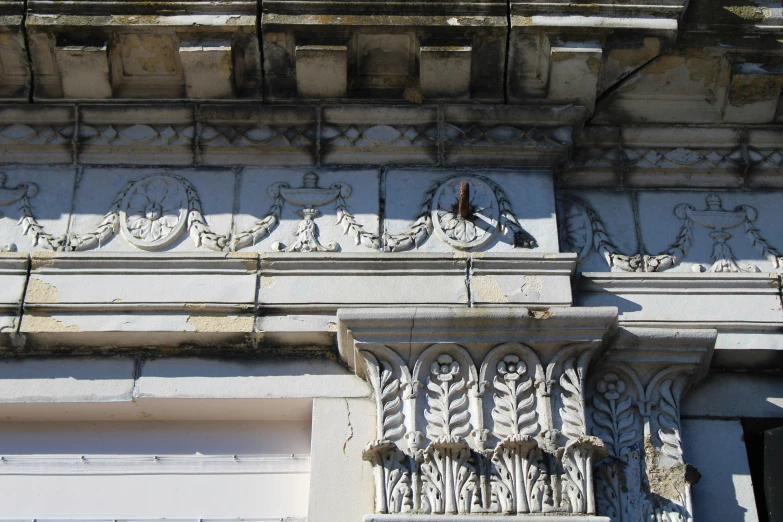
(497,413)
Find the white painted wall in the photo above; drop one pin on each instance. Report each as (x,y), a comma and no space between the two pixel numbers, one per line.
(132,490)
(725,491)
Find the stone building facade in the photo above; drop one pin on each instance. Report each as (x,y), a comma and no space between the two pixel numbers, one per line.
(391,260)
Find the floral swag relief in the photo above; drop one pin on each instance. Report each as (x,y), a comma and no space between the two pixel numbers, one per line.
(153,211)
(582,230)
(509,436)
(486,212)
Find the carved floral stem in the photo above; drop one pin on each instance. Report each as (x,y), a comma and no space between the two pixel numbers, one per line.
(200,232)
(418,231)
(263,227)
(31,227)
(352,228)
(107,228)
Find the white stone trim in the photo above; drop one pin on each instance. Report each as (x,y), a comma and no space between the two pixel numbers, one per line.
(151,464)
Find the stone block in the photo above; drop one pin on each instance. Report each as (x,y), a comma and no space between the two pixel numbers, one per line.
(254,135)
(137,210)
(201,378)
(517,211)
(311,282)
(76,380)
(753,95)
(147,66)
(321,71)
(444,71)
(37,134)
(410,331)
(672,299)
(725,490)
(508,135)
(537,281)
(663,91)
(574,71)
(361,134)
(84,71)
(384,61)
(207,67)
(136,134)
(171,300)
(14,66)
(35,208)
(13,275)
(277,208)
(735,395)
(341,487)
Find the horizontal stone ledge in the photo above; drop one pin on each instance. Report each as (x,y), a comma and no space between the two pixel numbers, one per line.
(485,518)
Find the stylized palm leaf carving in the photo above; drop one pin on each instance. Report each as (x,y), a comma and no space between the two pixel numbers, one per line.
(515,408)
(572,411)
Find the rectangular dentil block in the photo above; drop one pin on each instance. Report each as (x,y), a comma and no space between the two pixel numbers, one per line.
(444,71)
(321,71)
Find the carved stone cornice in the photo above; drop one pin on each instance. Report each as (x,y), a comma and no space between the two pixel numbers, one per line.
(633,397)
(479,411)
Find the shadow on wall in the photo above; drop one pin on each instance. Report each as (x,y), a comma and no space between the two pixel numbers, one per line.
(725,491)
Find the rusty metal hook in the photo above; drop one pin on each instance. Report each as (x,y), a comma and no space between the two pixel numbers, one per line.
(464,200)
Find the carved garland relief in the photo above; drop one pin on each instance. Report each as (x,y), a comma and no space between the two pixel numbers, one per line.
(582,230)
(509,436)
(153,211)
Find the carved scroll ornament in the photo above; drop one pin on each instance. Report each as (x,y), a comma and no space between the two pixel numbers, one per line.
(506,436)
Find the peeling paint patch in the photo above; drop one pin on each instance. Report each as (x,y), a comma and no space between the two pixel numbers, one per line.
(222,323)
(331,326)
(542,314)
(267,281)
(40,292)
(532,285)
(594,65)
(488,289)
(45,323)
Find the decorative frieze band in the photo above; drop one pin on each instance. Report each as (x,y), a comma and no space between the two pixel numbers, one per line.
(582,230)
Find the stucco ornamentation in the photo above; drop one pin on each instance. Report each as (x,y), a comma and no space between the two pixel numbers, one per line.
(153,212)
(582,230)
(490,212)
(507,435)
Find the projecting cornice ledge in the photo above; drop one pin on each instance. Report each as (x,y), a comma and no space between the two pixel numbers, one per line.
(494,412)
